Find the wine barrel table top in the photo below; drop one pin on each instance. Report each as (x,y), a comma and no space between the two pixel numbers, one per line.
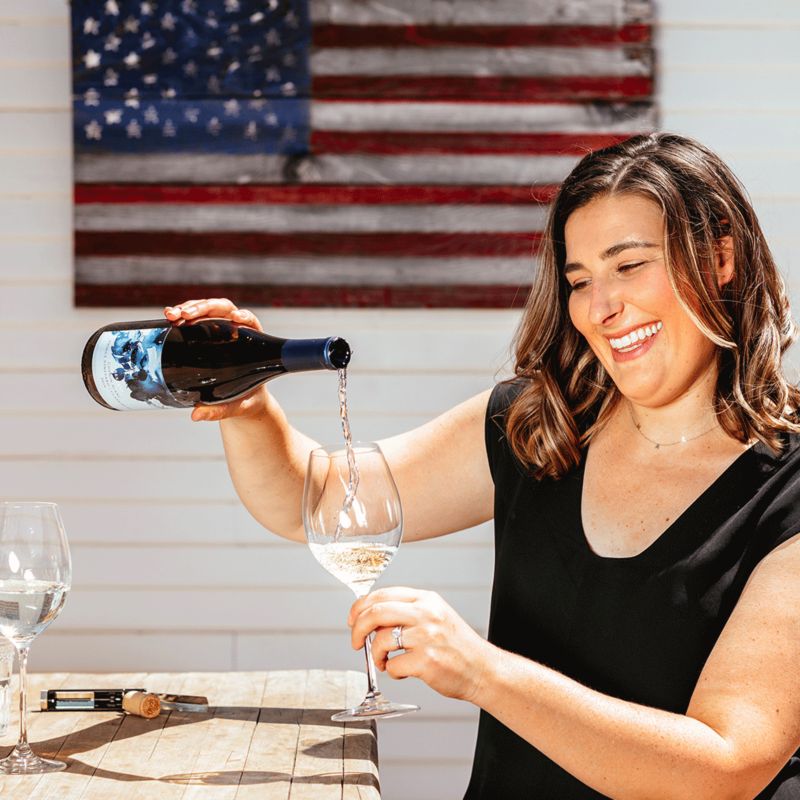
(266,735)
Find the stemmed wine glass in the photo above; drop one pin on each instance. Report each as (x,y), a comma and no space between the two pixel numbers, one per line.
(35,576)
(353,523)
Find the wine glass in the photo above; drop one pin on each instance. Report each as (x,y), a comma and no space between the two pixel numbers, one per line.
(353,522)
(35,576)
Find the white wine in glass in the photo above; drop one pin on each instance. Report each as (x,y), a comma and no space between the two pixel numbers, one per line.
(35,576)
(354,523)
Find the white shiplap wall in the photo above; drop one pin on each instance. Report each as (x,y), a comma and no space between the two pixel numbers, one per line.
(170,573)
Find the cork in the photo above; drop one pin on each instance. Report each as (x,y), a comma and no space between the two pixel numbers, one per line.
(143,704)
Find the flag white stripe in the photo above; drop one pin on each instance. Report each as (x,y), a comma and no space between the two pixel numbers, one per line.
(479,61)
(305,271)
(518,170)
(259,218)
(479,12)
(482,117)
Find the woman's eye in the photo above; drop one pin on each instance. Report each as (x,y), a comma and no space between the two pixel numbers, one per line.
(578,285)
(629,267)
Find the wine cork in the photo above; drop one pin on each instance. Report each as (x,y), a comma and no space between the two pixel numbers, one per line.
(143,704)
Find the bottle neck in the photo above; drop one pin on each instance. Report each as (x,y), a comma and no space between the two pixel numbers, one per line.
(298,355)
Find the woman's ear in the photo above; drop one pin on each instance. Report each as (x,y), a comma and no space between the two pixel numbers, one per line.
(725,262)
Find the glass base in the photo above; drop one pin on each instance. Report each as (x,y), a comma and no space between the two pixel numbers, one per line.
(23,761)
(374,707)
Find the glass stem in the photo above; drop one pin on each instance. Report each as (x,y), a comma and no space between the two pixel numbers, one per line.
(22,655)
(372,681)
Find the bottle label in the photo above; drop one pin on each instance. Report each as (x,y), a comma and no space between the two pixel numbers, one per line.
(126,367)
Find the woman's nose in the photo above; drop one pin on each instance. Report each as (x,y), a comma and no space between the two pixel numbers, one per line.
(605,304)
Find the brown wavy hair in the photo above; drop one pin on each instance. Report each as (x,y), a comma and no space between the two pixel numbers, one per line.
(566,394)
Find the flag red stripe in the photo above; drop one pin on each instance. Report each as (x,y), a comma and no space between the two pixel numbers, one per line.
(456,296)
(482,89)
(135,243)
(412,142)
(324,194)
(478,35)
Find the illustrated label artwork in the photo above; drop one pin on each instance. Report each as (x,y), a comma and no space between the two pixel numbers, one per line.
(126,366)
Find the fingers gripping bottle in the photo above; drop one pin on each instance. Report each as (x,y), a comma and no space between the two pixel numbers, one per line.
(129,366)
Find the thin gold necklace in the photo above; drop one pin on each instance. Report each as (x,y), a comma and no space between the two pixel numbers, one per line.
(658,445)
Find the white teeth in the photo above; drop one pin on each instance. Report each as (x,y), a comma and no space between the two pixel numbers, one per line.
(634,337)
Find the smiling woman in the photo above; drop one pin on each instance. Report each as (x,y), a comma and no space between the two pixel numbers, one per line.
(661,216)
(642,472)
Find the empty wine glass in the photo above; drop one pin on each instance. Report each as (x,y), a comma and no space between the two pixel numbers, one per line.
(353,523)
(35,576)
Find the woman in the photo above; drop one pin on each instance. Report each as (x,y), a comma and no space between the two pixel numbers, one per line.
(642,472)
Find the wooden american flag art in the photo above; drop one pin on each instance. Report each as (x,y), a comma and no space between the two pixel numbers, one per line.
(394,153)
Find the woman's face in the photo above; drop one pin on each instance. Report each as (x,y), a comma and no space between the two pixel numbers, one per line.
(621,301)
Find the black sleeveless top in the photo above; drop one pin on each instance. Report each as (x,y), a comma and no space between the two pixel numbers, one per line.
(638,628)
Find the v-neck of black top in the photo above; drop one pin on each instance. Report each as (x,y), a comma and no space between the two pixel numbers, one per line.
(686,521)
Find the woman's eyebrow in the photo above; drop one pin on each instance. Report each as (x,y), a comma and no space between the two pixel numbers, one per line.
(629,244)
(610,252)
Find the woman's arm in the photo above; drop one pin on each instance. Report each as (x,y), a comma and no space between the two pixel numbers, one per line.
(741,727)
(441,468)
(442,472)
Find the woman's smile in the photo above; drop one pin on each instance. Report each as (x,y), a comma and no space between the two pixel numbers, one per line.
(635,343)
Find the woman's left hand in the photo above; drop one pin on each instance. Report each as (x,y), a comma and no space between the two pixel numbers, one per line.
(438,646)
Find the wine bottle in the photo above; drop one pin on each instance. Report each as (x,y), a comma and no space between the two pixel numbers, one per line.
(155,364)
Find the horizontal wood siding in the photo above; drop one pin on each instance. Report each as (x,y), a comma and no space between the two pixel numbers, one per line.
(170,572)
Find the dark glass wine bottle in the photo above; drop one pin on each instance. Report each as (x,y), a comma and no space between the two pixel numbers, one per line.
(154,364)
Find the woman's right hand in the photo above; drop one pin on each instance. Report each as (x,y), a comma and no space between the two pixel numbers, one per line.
(250,405)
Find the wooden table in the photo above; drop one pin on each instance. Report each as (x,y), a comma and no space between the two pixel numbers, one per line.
(267,735)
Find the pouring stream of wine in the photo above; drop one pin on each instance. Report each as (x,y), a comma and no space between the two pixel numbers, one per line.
(352,481)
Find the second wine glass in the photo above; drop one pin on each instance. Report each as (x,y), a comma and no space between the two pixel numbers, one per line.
(35,577)
(354,522)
